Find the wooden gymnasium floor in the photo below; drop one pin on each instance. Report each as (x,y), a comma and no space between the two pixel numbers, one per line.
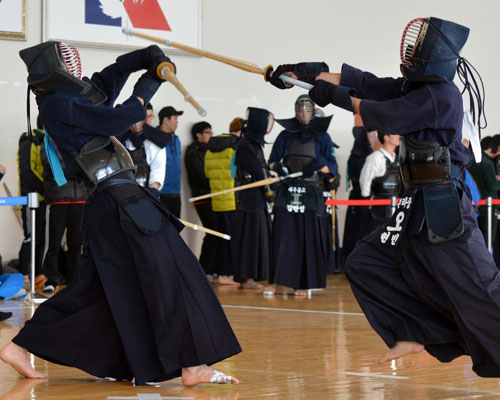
(311,348)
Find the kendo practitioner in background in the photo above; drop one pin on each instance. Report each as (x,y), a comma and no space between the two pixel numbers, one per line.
(141,307)
(65,208)
(252,232)
(194,161)
(380,179)
(301,243)
(146,146)
(425,280)
(355,215)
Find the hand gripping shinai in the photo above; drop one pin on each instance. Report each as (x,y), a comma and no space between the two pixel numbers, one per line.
(244,65)
(262,182)
(206,230)
(166,72)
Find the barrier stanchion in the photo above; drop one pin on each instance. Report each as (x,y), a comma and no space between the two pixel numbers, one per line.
(490,214)
(33,204)
(394,203)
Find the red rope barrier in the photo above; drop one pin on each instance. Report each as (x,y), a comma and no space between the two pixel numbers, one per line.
(387,202)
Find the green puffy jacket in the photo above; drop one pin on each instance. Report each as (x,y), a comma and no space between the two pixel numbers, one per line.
(221,171)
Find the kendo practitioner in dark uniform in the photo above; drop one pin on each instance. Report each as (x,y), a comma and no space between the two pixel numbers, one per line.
(425,280)
(253,221)
(354,214)
(141,306)
(301,244)
(380,179)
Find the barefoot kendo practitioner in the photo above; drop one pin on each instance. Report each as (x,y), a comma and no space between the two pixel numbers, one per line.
(301,244)
(425,280)
(140,307)
(253,220)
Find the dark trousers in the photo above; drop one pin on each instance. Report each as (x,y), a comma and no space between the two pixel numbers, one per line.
(445,296)
(209,246)
(63,217)
(25,251)
(172,202)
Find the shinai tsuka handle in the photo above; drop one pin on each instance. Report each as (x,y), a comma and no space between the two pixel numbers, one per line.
(165,71)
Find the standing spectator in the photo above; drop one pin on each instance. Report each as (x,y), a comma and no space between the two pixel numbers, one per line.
(221,173)
(487,181)
(194,160)
(31,180)
(146,146)
(65,208)
(170,194)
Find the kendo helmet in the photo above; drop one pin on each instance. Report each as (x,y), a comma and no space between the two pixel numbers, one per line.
(304,109)
(259,122)
(54,66)
(430,49)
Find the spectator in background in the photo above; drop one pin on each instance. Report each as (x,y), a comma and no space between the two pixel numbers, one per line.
(170,194)
(147,147)
(487,181)
(30,180)
(221,173)
(194,160)
(65,207)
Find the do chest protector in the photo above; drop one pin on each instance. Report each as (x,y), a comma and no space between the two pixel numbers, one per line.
(103,157)
(429,174)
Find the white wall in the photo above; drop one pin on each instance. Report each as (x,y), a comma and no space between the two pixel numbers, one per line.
(364,33)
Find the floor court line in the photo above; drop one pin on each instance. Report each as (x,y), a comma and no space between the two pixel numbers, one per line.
(293,310)
(374,375)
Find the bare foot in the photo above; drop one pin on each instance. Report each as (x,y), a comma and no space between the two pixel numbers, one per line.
(226,280)
(251,284)
(16,357)
(300,293)
(270,290)
(203,374)
(401,349)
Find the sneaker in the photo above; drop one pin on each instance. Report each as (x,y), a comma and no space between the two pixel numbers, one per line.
(49,287)
(5,315)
